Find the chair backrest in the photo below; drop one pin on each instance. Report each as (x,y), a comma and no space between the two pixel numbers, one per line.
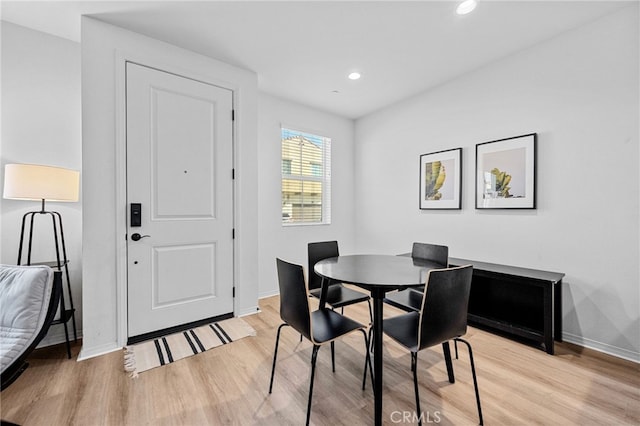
(294,297)
(431,252)
(29,296)
(444,305)
(317,252)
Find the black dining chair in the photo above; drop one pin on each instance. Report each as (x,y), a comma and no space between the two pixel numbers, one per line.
(410,299)
(442,317)
(338,296)
(320,327)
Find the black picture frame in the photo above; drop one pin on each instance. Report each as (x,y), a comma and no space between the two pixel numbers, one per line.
(506,173)
(440,182)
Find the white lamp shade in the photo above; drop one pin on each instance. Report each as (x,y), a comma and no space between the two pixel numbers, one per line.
(36,182)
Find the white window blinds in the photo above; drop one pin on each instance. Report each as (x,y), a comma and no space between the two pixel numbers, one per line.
(306,178)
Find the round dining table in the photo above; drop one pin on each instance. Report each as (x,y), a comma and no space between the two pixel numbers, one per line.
(379,274)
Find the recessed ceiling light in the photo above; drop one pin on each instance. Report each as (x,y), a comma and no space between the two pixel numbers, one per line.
(466,6)
(354,76)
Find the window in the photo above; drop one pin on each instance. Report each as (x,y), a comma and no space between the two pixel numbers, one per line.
(316,169)
(306,178)
(286,167)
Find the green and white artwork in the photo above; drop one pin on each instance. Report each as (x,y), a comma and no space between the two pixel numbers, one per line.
(505,173)
(440,175)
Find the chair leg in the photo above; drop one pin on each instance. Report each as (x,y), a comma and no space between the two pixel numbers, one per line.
(275,354)
(455,345)
(367,361)
(414,369)
(370,312)
(333,356)
(447,359)
(314,356)
(475,379)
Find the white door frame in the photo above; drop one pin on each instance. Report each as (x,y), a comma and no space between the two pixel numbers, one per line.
(121,170)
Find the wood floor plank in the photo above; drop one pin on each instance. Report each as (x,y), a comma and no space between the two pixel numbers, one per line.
(519,384)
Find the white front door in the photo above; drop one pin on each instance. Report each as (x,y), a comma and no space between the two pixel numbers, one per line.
(179,170)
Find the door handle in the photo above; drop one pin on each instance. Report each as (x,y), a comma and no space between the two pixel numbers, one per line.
(137,237)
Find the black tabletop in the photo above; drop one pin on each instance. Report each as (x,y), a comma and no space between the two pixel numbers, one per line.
(375,270)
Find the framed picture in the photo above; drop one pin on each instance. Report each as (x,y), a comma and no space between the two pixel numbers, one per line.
(441,180)
(506,173)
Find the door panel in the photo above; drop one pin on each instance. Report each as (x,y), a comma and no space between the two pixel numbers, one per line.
(177,168)
(197,261)
(179,161)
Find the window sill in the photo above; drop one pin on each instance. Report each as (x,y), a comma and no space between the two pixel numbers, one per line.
(291,225)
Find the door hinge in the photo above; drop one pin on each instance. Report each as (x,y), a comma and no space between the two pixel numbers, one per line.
(233,115)
(234,292)
(233,234)
(233,174)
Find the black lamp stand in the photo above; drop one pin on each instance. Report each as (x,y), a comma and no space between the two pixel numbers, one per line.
(58,236)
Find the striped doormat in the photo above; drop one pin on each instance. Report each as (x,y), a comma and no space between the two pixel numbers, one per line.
(167,349)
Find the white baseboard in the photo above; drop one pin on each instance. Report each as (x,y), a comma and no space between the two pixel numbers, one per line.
(257,311)
(86,353)
(601,347)
(248,311)
(268,294)
(55,336)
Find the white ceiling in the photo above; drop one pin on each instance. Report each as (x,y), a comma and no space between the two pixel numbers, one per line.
(303,50)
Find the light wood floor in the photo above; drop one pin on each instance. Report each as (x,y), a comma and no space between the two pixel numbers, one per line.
(228,385)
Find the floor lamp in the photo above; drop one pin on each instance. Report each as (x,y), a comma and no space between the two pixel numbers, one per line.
(45,183)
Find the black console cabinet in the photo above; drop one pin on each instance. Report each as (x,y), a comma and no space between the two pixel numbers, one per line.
(518,301)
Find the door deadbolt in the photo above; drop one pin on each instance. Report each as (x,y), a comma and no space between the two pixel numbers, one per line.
(136,214)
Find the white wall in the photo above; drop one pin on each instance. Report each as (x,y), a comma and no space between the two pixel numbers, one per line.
(47,68)
(579,92)
(103,49)
(290,242)
(41,125)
